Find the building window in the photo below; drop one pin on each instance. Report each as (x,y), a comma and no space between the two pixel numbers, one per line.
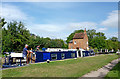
(53,56)
(87,42)
(75,42)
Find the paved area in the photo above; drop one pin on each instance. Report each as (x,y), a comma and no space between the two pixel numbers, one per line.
(102,72)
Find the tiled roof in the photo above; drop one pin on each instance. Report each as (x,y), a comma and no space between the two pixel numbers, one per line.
(78,36)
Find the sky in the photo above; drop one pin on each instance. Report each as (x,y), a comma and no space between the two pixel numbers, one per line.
(60,19)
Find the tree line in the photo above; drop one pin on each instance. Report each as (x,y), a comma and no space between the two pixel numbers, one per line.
(98,40)
(14,36)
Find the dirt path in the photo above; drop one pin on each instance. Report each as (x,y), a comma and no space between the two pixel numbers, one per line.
(102,72)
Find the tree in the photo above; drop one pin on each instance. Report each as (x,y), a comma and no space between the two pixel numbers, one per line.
(100,34)
(70,37)
(2,22)
(118,44)
(114,39)
(98,42)
(91,34)
(14,37)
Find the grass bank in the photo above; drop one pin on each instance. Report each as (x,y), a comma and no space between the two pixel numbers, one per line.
(0,55)
(115,72)
(66,68)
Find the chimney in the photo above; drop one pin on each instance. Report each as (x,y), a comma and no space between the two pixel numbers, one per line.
(85,31)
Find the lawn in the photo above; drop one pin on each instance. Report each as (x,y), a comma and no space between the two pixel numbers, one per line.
(115,72)
(67,68)
(0,55)
(0,66)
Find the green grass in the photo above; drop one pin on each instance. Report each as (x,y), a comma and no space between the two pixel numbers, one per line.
(0,65)
(66,68)
(115,72)
(0,55)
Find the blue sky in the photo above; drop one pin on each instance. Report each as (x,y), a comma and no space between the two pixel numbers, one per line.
(59,19)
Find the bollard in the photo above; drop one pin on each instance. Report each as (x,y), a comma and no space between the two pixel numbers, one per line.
(48,61)
(75,58)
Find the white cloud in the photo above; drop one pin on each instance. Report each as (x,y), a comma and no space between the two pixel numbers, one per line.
(112,19)
(101,29)
(82,25)
(57,28)
(48,30)
(59,31)
(10,12)
(113,34)
(46,27)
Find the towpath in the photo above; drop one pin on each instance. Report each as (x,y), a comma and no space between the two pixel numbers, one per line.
(102,72)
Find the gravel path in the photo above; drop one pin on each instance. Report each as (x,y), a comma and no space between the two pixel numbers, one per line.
(102,72)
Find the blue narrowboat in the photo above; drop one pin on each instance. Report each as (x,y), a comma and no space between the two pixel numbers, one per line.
(42,56)
(58,55)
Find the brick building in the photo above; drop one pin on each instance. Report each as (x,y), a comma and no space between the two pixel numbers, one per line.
(80,40)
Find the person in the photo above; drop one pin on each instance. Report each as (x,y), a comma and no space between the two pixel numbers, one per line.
(31,50)
(38,48)
(26,53)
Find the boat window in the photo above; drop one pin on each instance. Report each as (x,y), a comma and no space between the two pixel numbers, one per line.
(53,56)
(62,55)
(72,54)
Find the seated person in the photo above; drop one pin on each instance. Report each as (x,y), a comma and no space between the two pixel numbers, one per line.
(38,48)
